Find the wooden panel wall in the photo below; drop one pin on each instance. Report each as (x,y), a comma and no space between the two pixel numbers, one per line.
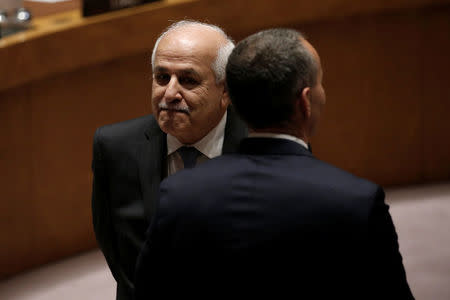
(386,78)
(387,83)
(16,206)
(436,95)
(40,9)
(372,123)
(46,156)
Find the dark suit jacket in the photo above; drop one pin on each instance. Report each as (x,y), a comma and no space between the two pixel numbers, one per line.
(271,220)
(129,162)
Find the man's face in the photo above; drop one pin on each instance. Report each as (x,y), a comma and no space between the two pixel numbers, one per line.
(186,100)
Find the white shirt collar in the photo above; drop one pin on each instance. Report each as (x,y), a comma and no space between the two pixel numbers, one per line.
(210,145)
(278,136)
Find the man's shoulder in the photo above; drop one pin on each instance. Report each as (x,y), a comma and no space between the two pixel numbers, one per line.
(340,180)
(328,168)
(293,172)
(302,170)
(126,129)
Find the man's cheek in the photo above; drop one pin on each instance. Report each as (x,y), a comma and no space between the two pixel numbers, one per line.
(155,103)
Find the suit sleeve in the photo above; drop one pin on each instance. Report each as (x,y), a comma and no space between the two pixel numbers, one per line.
(101,211)
(389,278)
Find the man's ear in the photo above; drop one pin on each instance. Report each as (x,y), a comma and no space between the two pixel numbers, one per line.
(305,102)
(225,101)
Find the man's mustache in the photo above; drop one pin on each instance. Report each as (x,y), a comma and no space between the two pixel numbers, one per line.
(176,107)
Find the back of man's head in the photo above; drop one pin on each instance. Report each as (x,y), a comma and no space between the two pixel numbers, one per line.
(265,74)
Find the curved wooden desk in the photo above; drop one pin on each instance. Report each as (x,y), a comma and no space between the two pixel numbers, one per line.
(385,62)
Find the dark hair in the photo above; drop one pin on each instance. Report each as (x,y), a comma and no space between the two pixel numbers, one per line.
(265,73)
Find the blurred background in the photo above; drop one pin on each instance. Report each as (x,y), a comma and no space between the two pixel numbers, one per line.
(66,70)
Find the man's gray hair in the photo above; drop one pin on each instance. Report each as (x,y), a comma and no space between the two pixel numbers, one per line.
(220,63)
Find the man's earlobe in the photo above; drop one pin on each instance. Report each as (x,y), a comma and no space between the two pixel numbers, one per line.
(305,102)
(225,101)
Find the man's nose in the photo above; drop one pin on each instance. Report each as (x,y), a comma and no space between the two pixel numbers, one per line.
(173,90)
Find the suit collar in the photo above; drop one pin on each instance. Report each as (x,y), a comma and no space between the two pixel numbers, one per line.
(279,136)
(262,146)
(153,155)
(235,131)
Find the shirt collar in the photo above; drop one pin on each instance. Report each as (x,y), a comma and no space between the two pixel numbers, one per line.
(278,136)
(210,145)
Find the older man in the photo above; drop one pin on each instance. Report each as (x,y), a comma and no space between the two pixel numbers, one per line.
(272,219)
(190,124)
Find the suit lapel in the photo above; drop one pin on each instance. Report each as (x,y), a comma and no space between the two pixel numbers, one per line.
(152,162)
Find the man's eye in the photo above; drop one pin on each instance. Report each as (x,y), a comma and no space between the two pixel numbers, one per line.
(188,81)
(162,79)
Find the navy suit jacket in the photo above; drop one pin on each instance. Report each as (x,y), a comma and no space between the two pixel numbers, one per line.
(129,162)
(271,220)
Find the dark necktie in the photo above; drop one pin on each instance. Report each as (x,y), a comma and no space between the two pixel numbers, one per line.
(189,156)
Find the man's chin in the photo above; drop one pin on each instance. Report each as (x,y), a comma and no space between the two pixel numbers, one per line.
(172,127)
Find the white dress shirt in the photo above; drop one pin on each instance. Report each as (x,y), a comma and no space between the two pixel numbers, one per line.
(209,146)
(278,136)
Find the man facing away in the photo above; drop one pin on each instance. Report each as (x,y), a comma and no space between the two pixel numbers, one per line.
(190,107)
(272,219)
